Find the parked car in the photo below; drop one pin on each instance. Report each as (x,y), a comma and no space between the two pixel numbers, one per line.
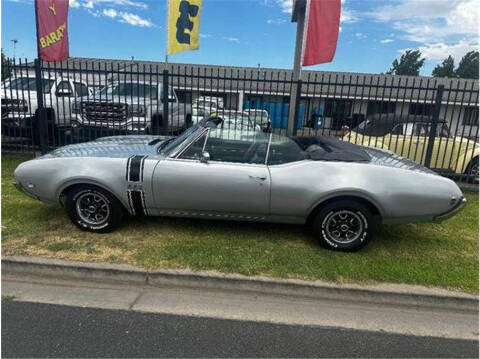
(20,103)
(259,117)
(128,107)
(204,106)
(408,136)
(341,189)
(235,120)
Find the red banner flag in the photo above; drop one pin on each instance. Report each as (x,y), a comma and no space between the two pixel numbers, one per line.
(52,32)
(322,20)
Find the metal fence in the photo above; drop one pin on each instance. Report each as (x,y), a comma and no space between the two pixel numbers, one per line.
(431,121)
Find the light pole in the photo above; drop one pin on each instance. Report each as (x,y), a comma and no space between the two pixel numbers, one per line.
(15,42)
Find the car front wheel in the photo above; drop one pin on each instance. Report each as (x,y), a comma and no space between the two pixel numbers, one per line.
(93,209)
(473,170)
(344,225)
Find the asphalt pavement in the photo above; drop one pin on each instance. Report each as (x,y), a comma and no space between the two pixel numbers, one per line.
(46,330)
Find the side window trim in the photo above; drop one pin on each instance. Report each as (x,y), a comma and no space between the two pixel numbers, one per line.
(206,139)
(177,156)
(268,148)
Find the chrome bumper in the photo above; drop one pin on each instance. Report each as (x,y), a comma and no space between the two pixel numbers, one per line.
(457,208)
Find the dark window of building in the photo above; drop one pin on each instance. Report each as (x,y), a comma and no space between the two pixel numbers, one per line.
(184,96)
(338,108)
(375,107)
(470,116)
(80,89)
(420,109)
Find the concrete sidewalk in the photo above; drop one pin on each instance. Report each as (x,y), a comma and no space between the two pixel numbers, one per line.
(382,293)
(454,315)
(245,306)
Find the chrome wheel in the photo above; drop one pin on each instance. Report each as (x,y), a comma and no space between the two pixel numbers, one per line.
(93,208)
(344,226)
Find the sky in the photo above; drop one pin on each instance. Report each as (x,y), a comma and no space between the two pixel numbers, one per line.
(257,32)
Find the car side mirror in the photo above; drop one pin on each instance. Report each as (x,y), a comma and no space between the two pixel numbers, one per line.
(205,157)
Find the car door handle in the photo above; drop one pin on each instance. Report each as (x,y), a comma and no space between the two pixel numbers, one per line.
(260,178)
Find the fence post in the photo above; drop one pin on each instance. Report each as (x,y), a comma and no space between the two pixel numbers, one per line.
(297,107)
(433,127)
(164,125)
(40,118)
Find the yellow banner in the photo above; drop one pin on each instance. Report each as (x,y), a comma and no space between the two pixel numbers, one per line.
(183,25)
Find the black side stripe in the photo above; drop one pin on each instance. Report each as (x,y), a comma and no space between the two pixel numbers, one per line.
(135,166)
(130,202)
(127,171)
(137,202)
(144,204)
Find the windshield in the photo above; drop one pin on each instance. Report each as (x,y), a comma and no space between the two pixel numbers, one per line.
(131,89)
(177,141)
(423,129)
(29,84)
(236,121)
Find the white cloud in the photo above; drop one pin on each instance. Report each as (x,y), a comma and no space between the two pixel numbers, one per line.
(111,13)
(127,18)
(276,21)
(359,35)
(232,39)
(440,51)
(386,41)
(73,3)
(88,5)
(205,36)
(286,5)
(94,13)
(134,20)
(123,3)
(346,15)
(448,26)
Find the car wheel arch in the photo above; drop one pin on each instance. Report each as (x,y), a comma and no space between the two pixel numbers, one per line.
(68,186)
(470,163)
(368,202)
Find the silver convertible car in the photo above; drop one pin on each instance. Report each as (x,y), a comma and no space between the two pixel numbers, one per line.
(343,190)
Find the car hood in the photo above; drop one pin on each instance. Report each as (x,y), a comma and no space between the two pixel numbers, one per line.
(113,147)
(118,99)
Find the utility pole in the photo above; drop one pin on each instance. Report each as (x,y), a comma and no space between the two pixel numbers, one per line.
(298,16)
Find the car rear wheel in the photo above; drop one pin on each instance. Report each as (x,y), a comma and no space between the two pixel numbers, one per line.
(93,209)
(344,225)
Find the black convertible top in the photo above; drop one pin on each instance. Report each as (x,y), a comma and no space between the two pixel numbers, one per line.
(321,148)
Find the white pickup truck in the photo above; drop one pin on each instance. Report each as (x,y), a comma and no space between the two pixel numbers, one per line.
(19,103)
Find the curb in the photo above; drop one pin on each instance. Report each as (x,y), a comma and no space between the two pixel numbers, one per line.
(389,294)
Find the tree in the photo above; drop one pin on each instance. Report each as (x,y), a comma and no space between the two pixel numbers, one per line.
(468,66)
(6,68)
(409,64)
(445,69)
